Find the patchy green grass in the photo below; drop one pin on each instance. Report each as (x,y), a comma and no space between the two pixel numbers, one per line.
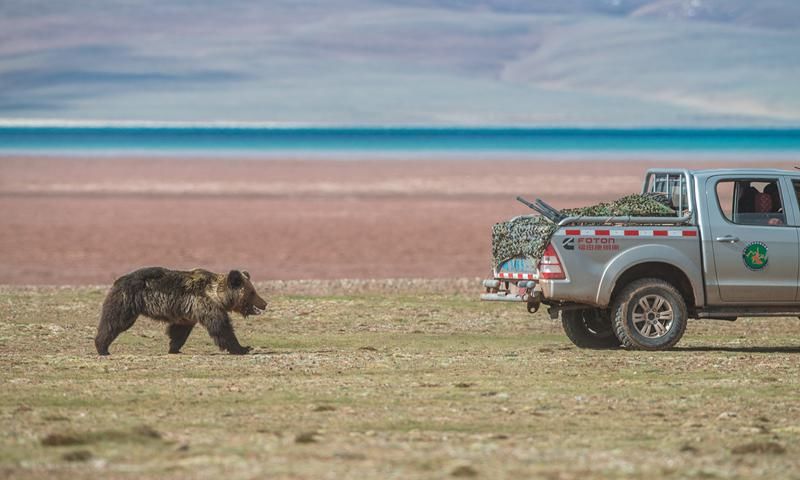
(395,384)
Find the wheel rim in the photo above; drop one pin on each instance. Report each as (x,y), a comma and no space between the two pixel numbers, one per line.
(653,316)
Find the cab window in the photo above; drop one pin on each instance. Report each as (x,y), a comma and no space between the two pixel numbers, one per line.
(796,185)
(751,202)
(672,188)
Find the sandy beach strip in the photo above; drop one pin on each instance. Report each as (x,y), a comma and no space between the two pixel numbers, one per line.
(89,220)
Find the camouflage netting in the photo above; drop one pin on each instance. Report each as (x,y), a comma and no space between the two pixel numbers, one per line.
(521,236)
(637,205)
(529,236)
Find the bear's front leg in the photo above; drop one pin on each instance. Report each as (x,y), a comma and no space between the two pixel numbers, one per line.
(178,333)
(220,328)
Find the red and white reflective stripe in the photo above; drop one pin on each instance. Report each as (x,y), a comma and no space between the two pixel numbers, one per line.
(516,276)
(627,232)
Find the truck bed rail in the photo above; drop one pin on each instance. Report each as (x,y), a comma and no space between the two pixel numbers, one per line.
(625,220)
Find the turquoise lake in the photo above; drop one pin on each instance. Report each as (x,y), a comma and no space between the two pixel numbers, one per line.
(368,140)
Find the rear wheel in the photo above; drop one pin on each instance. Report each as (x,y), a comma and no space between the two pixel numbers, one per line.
(589,328)
(649,314)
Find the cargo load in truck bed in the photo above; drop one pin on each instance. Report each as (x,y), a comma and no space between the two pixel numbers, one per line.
(529,235)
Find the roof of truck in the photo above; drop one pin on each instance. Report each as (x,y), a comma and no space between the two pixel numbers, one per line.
(732,171)
(745,171)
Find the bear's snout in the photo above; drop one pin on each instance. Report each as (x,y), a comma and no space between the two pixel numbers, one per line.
(258,306)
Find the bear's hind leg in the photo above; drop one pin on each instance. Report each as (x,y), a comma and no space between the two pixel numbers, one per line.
(115,319)
(178,333)
(108,331)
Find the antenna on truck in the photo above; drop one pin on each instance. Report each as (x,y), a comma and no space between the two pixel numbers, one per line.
(553,211)
(544,209)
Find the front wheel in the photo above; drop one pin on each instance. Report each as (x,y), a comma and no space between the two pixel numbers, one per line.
(589,328)
(649,314)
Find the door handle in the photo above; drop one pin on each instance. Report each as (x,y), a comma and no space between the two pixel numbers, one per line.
(727,238)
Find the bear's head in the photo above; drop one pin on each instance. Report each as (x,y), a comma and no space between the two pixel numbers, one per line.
(242,294)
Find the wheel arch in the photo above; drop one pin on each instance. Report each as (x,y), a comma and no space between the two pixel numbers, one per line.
(653,261)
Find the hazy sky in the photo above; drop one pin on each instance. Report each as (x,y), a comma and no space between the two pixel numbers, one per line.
(499,62)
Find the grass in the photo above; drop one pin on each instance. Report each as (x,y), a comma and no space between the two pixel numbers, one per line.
(389,385)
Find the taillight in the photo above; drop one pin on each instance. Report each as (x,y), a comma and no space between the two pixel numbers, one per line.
(550,265)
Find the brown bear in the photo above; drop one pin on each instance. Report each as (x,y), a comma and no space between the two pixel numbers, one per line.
(182,299)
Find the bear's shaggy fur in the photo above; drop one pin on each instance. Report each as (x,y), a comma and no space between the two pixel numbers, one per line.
(182,299)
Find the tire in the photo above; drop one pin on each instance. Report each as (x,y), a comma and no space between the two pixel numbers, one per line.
(589,328)
(649,314)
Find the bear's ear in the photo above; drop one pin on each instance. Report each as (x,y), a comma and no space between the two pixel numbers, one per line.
(235,279)
(246,274)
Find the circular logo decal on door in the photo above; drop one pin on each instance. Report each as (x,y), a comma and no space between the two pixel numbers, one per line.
(755,255)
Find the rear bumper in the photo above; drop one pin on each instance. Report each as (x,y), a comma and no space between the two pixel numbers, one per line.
(532,297)
(507,290)
(502,297)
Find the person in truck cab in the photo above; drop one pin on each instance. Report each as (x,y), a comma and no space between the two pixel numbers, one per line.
(756,207)
(772,190)
(747,199)
(768,203)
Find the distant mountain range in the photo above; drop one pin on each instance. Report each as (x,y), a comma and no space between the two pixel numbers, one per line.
(411,62)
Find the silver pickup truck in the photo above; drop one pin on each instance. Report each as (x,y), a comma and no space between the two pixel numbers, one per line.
(732,250)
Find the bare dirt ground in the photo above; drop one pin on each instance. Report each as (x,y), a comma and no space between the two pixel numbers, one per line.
(90,220)
(389,379)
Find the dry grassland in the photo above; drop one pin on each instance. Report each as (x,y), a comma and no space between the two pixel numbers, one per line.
(389,380)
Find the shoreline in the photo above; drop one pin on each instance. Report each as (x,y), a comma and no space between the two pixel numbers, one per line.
(370,156)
